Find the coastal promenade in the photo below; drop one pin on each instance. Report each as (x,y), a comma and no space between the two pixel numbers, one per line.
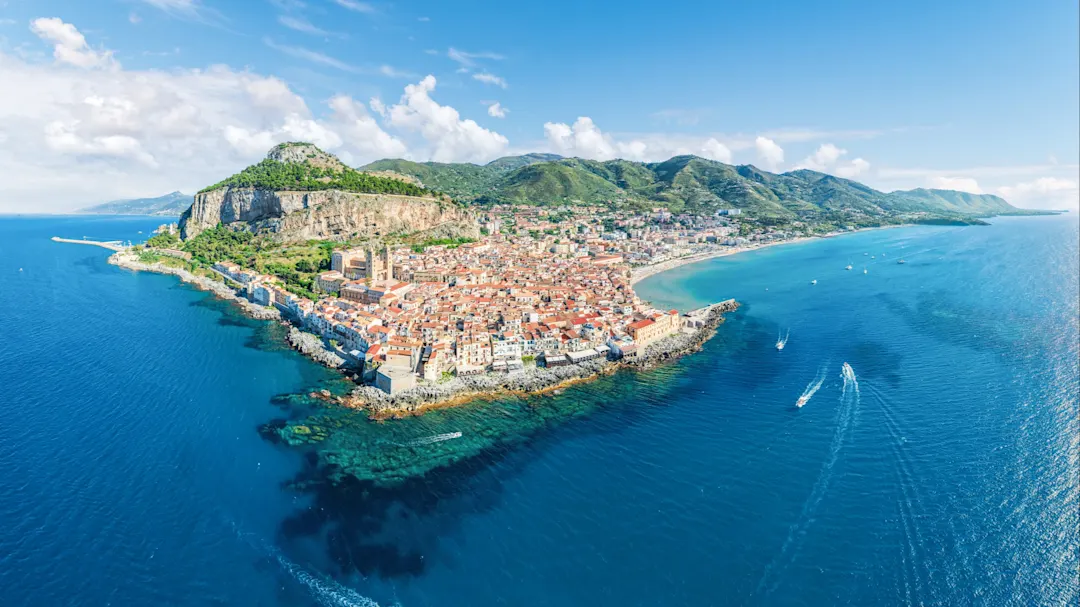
(112,245)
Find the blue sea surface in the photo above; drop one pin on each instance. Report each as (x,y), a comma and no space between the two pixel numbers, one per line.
(944,469)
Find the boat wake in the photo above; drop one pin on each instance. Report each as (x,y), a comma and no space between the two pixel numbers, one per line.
(849,402)
(811,388)
(782,341)
(325,591)
(428,440)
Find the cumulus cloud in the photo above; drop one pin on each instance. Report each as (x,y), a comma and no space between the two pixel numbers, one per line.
(488,78)
(69,45)
(714,150)
(496,110)
(1047,192)
(447,136)
(769,153)
(72,137)
(828,159)
(366,138)
(583,139)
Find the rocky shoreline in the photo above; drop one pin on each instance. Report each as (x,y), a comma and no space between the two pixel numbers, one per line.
(130,261)
(460,390)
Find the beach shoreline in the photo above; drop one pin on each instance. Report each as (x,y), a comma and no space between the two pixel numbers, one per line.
(640,273)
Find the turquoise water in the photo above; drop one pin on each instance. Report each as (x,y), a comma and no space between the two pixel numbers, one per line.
(142,461)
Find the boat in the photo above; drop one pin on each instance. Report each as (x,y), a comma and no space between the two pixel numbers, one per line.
(873,257)
(847,267)
(802,401)
(864,270)
(813,282)
(782,341)
(900,261)
(865,254)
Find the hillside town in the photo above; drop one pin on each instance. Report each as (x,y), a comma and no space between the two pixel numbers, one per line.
(540,288)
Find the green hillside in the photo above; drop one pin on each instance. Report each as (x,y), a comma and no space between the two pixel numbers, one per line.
(689,184)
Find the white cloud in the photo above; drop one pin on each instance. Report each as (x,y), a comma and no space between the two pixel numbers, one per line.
(584,139)
(367,139)
(769,153)
(313,56)
(423,19)
(487,78)
(392,72)
(355,5)
(828,159)
(496,110)
(714,150)
(1044,192)
(303,25)
(853,169)
(467,59)
(185,9)
(72,137)
(447,137)
(963,184)
(69,45)
(134,18)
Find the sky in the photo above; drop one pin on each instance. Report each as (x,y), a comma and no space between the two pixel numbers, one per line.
(110,99)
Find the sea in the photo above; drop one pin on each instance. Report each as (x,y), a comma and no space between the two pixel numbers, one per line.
(149,450)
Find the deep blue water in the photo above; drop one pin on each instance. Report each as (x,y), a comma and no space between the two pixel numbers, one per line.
(132,471)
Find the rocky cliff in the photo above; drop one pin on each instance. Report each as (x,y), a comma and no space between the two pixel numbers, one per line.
(325,214)
(302,193)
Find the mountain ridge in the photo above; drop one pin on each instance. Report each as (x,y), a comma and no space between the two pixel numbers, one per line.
(686,183)
(167,205)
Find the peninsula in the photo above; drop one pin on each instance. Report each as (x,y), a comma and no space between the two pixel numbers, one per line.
(427,299)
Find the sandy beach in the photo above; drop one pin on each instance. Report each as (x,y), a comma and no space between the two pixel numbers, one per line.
(642,272)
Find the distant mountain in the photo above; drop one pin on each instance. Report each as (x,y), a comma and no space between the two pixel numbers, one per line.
(169,205)
(686,184)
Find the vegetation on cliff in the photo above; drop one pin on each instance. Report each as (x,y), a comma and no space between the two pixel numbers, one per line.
(272,174)
(295,264)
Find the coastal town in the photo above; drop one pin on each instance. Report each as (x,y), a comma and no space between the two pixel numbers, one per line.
(540,288)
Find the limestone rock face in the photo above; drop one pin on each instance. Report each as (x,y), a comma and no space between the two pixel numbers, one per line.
(324,214)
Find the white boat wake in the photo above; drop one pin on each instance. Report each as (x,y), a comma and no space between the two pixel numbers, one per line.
(782,341)
(327,592)
(428,440)
(811,388)
(849,402)
(324,590)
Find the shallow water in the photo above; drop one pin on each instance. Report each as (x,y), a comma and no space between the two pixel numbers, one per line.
(136,472)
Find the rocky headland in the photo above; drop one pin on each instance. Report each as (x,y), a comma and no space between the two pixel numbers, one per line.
(534,380)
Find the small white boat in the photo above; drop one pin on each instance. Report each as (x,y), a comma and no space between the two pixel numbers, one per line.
(802,401)
(847,267)
(813,282)
(901,261)
(864,270)
(873,257)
